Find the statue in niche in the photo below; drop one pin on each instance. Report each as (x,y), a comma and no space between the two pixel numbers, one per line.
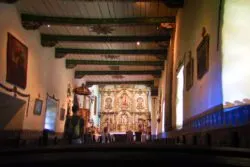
(69,91)
(124,101)
(140,92)
(105,123)
(141,124)
(124,122)
(109,92)
(108,104)
(140,103)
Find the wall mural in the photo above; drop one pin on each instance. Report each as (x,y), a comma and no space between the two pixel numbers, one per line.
(124,108)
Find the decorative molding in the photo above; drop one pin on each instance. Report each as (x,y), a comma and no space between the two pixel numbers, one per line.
(70,63)
(101,29)
(47,38)
(16,92)
(59,52)
(80,74)
(148,83)
(43,20)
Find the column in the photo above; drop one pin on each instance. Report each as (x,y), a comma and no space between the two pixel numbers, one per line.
(154,123)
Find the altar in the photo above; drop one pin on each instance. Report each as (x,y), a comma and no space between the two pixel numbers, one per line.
(124,108)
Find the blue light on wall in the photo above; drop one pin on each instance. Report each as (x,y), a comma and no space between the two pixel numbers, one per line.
(228,117)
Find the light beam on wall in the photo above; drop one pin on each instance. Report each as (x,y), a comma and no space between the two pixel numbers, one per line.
(236,52)
(179,99)
(163,116)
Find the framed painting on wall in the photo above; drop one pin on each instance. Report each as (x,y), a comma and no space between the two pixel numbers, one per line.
(203,57)
(17,59)
(189,71)
(38,107)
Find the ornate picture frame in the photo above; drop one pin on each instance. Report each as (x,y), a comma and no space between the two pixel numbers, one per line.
(38,107)
(189,71)
(203,57)
(17,62)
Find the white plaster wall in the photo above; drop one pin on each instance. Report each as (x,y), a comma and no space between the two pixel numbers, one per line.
(45,74)
(162,91)
(205,93)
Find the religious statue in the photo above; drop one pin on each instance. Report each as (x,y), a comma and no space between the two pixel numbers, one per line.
(124,122)
(69,90)
(108,105)
(124,101)
(140,103)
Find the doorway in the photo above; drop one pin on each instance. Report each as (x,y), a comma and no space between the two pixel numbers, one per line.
(179,98)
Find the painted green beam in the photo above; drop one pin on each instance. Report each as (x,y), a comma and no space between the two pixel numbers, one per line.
(80,74)
(70,63)
(168,3)
(148,83)
(125,1)
(8,1)
(52,40)
(61,52)
(33,22)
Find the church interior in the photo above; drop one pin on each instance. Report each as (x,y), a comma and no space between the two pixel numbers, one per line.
(173,72)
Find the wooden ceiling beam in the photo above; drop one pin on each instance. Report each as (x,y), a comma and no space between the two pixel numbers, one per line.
(32,22)
(48,40)
(8,1)
(80,74)
(174,3)
(61,52)
(71,63)
(149,83)
(125,1)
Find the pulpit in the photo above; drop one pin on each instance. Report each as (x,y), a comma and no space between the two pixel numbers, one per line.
(85,114)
